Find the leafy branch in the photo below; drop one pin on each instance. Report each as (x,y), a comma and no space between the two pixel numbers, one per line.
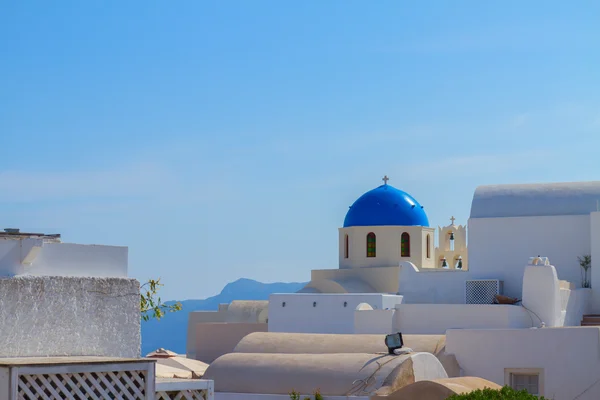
(151,305)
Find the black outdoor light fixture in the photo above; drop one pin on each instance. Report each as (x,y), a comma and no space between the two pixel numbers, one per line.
(394,342)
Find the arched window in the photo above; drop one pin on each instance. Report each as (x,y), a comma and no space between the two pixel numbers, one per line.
(428,244)
(346,246)
(405,245)
(371,245)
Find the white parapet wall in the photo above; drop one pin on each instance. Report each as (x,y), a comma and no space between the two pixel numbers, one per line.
(373,321)
(322,313)
(565,360)
(551,301)
(432,285)
(541,294)
(35,256)
(595,269)
(437,318)
(45,316)
(575,304)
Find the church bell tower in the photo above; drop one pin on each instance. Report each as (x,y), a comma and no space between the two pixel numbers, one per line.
(452,250)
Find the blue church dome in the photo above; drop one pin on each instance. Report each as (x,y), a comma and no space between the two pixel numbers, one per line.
(386,205)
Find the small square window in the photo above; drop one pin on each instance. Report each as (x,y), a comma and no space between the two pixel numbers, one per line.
(527,382)
(530,380)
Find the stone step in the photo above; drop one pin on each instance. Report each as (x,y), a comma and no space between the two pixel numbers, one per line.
(585,323)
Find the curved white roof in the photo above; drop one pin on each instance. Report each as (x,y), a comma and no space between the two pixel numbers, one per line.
(540,199)
(341,374)
(350,285)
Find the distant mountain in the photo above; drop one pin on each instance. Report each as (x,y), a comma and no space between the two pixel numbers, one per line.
(171,331)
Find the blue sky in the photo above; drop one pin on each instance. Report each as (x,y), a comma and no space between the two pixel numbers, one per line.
(221,140)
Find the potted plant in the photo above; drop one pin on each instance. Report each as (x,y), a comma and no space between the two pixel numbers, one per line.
(585,262)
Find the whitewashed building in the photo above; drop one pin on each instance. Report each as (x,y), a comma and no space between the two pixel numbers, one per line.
(79,296)
(70,325)
(519,248)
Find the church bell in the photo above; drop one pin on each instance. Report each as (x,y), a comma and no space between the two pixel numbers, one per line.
(451,235)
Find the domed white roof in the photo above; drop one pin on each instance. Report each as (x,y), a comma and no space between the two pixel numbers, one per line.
(541,199)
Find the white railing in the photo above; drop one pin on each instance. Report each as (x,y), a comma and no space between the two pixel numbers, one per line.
(93,378)
(72,378)
(184,389)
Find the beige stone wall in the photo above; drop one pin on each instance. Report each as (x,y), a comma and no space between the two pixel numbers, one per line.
(389,240)
(249,311)
(208,341)
(317,343)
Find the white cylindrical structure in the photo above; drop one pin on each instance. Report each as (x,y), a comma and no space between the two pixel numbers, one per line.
(357,374)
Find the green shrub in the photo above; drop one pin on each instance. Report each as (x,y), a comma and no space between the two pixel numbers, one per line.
(318,395)
(296,396)
(506,393)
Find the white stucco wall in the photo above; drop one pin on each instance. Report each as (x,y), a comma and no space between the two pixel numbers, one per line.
(498,247)
(388,240)
(541,294)
(432,285)
(328,316)
(595,253)
(437,318)
(36,257)
(69,316)
(549,302)
(569,357)
(575,304)
(373,321)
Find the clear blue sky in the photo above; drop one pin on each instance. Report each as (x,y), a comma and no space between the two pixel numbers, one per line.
(226,139)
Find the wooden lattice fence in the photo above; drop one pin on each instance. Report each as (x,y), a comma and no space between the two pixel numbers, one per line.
(184,389)
(126,385)
(76,378)
(93,378)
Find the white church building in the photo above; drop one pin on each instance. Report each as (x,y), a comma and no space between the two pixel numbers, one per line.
(506,292)
(386,228)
